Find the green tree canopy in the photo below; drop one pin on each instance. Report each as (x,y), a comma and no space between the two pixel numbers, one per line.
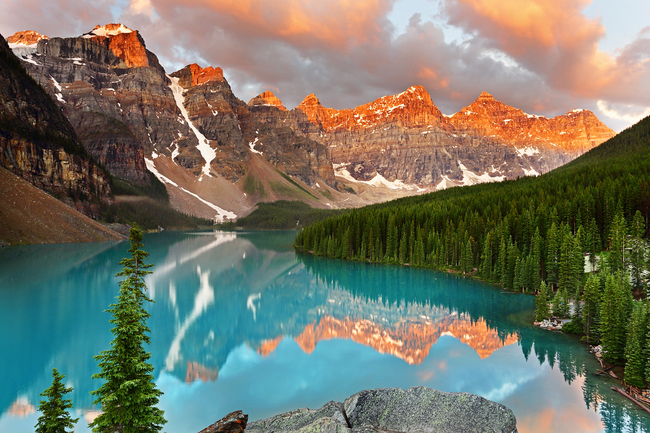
(55,417)
(129,396)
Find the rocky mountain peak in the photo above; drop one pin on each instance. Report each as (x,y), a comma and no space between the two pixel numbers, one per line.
(125,43)
(195,75)
(310,101)
(108,30)
(411,108)
(317,114)
(27,37)
(485,95)
(267,99)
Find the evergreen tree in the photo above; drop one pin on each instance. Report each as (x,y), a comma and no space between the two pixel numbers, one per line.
(536,264)
(502,262)
(647,353)
(617,243)
(55,417)
(542,311)
(487,258)
(637,253)
(552,255)
(129,395)
(615,308)
(590,309)
(636,343)
(561,303)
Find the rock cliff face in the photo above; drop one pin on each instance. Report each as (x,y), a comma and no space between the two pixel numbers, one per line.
(404,141)
(38,143)
(417,409)
(115,94)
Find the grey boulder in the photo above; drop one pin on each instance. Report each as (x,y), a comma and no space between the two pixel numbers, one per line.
(416,410)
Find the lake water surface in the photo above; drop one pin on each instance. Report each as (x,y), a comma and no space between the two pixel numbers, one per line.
(242,322)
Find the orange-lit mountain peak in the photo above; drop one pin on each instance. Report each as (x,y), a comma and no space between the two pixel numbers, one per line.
(194,75)
(309,101)
(125,43)
(411,108)
(577,131)
(27,37)
(203,75)
(485,96)
(267,99)
(319,115)
(111,29)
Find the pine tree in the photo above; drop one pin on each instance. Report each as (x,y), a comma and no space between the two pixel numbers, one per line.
(552,255)
(590,310)
(561,303)
(637,253)
(55,417)
(647,353)
(542,310)
(129,395)
(615,308)
(617,243)
(634,349)
(536,265)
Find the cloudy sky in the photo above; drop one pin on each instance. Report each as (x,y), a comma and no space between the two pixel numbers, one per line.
(543,56)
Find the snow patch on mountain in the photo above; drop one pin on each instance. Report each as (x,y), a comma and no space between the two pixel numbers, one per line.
(471,178)
(107,30)
(252,144)
(377,181)
(221,215)
(207,152)
(528,151)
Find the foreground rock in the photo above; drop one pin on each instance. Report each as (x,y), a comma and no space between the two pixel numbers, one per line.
(418,409)
(234,422)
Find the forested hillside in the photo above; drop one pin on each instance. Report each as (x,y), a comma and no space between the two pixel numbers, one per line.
(521,233)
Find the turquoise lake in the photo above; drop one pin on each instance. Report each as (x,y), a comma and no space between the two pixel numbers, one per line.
(240,321)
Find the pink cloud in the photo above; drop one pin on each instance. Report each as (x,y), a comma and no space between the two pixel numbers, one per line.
(554,39)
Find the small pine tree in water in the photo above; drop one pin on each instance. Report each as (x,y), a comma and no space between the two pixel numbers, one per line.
(129,396)
(55,417)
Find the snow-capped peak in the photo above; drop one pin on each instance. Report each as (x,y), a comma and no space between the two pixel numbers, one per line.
(108,30)
(28,38)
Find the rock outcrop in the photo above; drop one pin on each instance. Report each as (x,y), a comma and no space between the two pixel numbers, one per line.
(418,409)
(234,422)
(38,143)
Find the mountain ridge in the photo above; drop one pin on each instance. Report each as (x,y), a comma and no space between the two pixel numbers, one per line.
(396,145)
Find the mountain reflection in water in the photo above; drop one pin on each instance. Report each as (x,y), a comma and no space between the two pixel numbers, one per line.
(241,322)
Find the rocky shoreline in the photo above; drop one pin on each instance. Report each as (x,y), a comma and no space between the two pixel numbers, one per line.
(390,410)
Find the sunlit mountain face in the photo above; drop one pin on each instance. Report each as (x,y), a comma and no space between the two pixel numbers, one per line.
(241,322)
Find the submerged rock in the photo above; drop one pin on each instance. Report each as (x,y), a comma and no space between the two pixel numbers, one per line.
(418,409)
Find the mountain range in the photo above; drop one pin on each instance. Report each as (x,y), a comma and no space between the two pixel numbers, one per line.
(218,156)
